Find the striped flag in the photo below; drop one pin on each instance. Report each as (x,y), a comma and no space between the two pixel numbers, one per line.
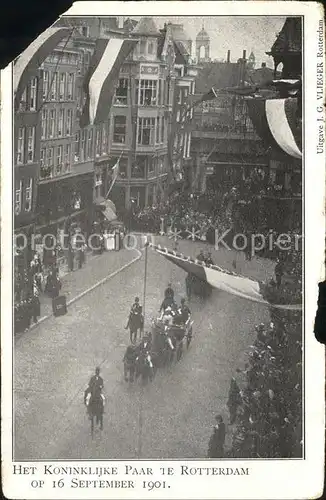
(28,63)
(276,122)
(100,81)
(115,173)
(221,279)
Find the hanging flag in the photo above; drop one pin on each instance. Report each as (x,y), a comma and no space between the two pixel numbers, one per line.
(276,122)
(29,61)
(100,81)
(222,279)
(115,173)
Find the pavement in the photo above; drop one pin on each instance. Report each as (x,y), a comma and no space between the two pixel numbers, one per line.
(170,418)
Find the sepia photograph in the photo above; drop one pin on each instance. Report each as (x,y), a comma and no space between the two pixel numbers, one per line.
(162,219)
(158,239)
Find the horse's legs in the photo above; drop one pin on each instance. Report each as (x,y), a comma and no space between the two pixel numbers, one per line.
(101,421)
(92,425)
(125,372)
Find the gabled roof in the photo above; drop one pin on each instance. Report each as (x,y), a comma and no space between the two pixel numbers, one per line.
(181,53)
(289,38)
(217,75)
(178,33)
(146,26)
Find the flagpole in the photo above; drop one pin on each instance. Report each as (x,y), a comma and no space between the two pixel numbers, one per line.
(117,164)
(145,280)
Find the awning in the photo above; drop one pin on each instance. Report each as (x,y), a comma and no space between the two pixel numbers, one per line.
(275,121)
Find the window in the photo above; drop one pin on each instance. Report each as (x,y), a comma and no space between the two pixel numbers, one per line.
(83,145)
(146,128)
(139,169)
(70,87)
(30,144)
(46,78)
(121,93)
(18,198)
(20,146)
(60,122)
(151,47)
(90,144)
(42,157)
(62,85)
(69,122)
(142,46)
(28,195)
(54,87)
(77,146)
(49,157)
(67,157)
(33,94)
(162,92)
(180,97)
(193,88)
(119,129)
(148,92)
(51,123)
(185,144)
(58,166)
(162,129)
(159,93)
(98,143)
(105,138)
(23,102)
(85,31)
(188,145)
(44,123)
(157,130)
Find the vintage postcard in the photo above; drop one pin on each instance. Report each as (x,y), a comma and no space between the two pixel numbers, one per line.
(163,181)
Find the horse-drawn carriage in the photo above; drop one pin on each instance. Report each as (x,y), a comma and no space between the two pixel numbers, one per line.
(196,286)
(168,340)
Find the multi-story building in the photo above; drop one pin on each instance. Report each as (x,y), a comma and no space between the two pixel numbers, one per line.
(142,119)
(27,135)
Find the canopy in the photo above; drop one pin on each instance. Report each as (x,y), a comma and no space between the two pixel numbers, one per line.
(222,279)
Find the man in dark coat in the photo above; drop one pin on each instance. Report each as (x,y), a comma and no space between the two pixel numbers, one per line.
(216,442)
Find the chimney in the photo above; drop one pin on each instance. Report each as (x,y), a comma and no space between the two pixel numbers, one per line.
(228,56)
(244,53)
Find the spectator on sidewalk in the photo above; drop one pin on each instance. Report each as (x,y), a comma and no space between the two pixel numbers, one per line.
(216,442)
(35,303)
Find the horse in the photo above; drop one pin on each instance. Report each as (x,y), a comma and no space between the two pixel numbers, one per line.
(129,363)
(135,323)
(197,286)
(145,367)
(95,408)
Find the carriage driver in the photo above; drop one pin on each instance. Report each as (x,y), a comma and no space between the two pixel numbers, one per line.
(184,311)
(95,386)
(168,298)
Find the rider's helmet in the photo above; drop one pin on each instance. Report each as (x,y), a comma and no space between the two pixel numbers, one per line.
(136,299)
(97,370)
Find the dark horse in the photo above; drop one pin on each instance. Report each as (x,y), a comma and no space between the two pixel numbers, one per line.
(95,409)
(145,367)
(135,323)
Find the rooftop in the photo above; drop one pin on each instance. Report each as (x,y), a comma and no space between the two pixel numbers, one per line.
(217,75)
(290,37)
(146,26)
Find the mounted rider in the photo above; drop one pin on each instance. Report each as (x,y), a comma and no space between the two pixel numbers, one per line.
(135,319)
(168,298)
(94,389)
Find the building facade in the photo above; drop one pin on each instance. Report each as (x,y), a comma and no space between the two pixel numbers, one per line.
(27,136)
